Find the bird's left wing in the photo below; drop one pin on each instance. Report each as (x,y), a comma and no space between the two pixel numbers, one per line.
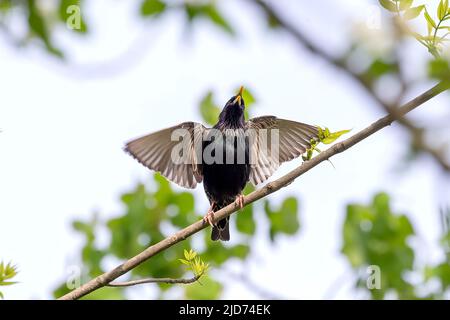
(274,141)
(174,152)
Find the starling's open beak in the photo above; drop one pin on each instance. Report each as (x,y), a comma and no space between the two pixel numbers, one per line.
(238,98)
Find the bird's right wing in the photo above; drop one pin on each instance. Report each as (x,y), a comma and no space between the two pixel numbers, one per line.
(174,152)
(290,140)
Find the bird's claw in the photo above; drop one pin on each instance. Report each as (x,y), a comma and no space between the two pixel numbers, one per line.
(240,201)
(209,217)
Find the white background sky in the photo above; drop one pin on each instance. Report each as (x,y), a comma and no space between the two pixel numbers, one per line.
(63,128)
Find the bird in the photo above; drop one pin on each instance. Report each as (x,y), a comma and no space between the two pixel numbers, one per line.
(225,157)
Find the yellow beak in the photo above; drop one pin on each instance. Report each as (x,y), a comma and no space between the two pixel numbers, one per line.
(238,98)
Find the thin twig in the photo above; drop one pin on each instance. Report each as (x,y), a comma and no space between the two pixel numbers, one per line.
(269,188)
(153,280)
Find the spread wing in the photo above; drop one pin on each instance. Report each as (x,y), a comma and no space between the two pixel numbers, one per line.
(269,148)
(174,152)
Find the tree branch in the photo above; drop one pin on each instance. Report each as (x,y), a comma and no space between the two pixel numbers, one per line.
(153,280)
(269,188)
(339,63)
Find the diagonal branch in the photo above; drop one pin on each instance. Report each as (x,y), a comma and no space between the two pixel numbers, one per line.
(416,133)
(269,188)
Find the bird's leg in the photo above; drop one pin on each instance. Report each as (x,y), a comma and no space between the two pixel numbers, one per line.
(209,217)
(240,200)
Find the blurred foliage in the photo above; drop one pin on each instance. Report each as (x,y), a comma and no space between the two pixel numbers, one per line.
(437,28)
(7,272)
(439,69)
(154,212)
(152,8)
(194,10)
(374,236)
(285,219)
(40,19)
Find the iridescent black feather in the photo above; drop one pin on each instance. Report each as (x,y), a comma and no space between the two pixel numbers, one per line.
(223,181)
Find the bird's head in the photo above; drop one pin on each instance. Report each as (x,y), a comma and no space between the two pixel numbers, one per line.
(233,112)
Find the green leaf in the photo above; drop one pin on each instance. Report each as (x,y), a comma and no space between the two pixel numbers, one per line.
(285,220)
(192,254)
(329,137)
(380,67)
(245,221)
(215,252)
(216,17)
(64,15)
(208,109)
(152,7)
(441,10)
(240,251)
(441,272)
(5,5)
(445,241)
(389,5)
(405,4)
(248,98)
(431,38)
(439,69)
(198,266)
(414,12)
(429,19)
(209,11)
(87,229)
(38,28)
(373,235)
(7,272)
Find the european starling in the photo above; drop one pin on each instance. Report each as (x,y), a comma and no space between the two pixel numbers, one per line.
(224,157)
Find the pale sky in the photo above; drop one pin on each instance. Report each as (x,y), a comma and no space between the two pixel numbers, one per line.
(63,128)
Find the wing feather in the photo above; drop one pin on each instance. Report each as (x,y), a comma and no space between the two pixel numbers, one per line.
(293,140)
(155,152)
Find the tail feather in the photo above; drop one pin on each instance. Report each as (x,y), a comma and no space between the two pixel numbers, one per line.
(221,231)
